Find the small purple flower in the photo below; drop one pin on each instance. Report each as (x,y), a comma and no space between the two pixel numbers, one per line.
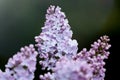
(6,76)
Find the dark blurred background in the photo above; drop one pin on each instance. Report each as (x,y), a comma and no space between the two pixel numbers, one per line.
(21,20)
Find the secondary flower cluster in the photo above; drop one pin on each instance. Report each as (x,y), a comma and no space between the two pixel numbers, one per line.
(21,66)
(58,54)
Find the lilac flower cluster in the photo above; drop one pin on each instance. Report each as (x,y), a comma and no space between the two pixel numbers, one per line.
(86,65)
(72,70)
(21,66)
(55,40)
(58,53)
(69,69)
(95,57)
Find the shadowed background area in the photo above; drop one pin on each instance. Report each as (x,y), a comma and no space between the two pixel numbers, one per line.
(21,20)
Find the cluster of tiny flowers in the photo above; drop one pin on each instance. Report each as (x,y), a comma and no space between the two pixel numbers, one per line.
(55,40)
(69,69)
(21,66)
(58,54)
(95,56)
(86,65)
(68,64)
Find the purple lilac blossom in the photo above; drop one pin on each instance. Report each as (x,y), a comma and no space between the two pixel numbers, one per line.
(69,69)
(21,66)
(58,52)
(47,76)
(55,39)
(95,56)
